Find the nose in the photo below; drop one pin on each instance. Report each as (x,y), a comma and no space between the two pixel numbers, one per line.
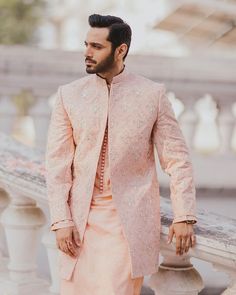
(88,52)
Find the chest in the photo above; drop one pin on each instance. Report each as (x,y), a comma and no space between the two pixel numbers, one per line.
(128,111)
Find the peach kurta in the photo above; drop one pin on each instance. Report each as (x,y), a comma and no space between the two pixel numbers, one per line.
(140,117)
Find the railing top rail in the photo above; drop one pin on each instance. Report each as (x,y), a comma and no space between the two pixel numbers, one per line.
(190,77)
(27,60)
(21,165)
(212,229)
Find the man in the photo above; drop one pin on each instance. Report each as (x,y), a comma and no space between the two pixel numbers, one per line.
(104,201)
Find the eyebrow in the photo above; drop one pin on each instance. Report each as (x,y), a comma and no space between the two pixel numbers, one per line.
(93,43)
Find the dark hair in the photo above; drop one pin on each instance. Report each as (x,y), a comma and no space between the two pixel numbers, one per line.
(119,31)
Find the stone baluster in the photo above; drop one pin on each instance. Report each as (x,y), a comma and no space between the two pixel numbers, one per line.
(41,116)
(4,200)
(49,242)
(8,112)
(188,120)
(176,275)
(21,221)
(226,123)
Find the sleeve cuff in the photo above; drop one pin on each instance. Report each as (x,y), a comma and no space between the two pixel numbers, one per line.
(62,224)
(184,218)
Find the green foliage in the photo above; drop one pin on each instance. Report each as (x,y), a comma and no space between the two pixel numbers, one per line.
(19,20)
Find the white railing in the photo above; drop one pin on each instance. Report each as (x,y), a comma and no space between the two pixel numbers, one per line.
(25,227)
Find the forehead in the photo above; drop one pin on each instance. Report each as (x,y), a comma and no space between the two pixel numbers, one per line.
(97,35)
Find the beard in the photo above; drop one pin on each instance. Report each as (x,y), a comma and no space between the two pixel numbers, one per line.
(101,67)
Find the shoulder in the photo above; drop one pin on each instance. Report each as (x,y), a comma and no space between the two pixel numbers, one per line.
(151,88)
(73,90)
(150,85)
(75,86)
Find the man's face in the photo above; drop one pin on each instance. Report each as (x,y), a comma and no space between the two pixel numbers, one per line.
(99,57)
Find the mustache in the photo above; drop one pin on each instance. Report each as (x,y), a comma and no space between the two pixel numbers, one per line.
(89,59)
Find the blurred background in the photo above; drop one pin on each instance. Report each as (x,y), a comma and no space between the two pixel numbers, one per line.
(188,45)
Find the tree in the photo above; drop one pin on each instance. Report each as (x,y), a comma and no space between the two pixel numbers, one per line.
(19,20)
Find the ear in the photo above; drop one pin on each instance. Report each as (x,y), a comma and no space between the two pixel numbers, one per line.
(121,51)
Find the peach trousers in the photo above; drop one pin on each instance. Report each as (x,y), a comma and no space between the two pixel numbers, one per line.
(103,266)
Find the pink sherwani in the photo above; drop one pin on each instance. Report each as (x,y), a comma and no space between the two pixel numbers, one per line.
(103,266)
(139,117)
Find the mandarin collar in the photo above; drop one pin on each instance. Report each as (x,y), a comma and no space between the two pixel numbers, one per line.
(116,79)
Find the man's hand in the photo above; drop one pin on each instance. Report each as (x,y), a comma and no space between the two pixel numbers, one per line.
(68,240)
(184,235)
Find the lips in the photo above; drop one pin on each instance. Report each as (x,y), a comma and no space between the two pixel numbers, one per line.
(89,62)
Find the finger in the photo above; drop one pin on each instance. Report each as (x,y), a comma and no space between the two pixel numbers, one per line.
(71,247)
(64,248)
(188,244)
(178,245)
(183,245)
(193,240)
(170,235)
(69,251)
(76,237)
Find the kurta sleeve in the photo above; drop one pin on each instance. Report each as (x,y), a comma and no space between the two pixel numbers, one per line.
(174,158)
(59,157)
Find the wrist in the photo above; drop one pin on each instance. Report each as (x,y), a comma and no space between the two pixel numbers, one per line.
(190,221)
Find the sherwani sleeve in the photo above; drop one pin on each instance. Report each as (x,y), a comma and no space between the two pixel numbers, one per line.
(59,157)
(174,159)
(62,224)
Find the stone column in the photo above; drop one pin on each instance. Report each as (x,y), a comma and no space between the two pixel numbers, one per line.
(41,116)
(49,242)
(188,120)
(226,122)
(176,276)
(8,112)
(4,200)
(22,220)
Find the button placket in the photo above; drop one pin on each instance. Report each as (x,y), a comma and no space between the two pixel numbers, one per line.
(103,161)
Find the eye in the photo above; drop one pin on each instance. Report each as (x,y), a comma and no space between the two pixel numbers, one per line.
(97,46)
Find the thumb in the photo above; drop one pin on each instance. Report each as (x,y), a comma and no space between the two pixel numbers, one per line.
(170,235)
(76,237)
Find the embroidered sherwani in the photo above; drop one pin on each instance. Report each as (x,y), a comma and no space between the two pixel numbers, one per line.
(103,266)
(139,117)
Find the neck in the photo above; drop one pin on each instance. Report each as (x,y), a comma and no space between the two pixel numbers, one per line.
(108,76)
